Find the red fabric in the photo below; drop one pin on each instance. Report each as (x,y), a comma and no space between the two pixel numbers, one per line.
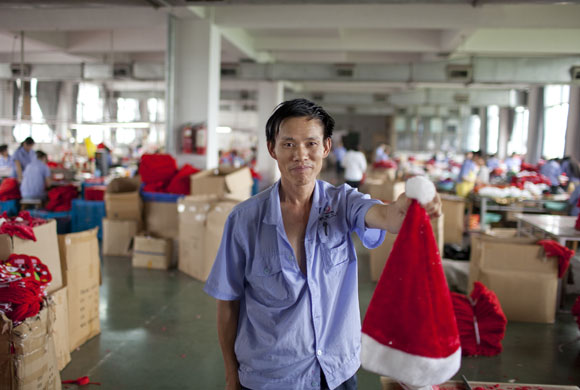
(536,178)
(180,184)
(529,167)
(9,189)
(576,311)
(385,164)
(96,193)
(552,248)
(157,168)
(255,174)
(20,226)
(60,198)
(155,187)
(82,381)
(411,307)
(480,320)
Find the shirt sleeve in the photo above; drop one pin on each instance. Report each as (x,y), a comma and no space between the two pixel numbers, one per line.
(45,171)
(357,205)
(226,279)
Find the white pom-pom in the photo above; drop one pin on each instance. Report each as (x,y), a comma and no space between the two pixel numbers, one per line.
(420,188)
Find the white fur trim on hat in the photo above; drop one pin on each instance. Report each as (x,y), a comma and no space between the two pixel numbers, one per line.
(410,369)
(420,188)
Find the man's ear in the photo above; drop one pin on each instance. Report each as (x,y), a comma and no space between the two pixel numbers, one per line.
(271,149)
(327,143)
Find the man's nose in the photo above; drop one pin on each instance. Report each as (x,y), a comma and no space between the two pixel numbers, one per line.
(301,153)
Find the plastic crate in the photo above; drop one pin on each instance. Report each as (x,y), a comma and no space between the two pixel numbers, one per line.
(87,214)
(63,219)
(11,207)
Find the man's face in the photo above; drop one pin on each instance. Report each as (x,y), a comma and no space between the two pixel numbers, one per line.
(28,147)
(299,150)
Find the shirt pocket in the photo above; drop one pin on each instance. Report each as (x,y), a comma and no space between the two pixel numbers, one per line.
(268,282)
(335,253)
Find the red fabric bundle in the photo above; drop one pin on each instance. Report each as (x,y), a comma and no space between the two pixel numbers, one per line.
(480,320)
(180,184)
(82,381)
(9,189)
(20,226)
(529,167)
(533,177)
(552,248)
(385,164)
(576,311)
(96,193)
(60,198)
(157,168)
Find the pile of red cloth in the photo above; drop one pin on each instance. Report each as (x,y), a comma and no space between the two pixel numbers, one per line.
(96,193)
(9,189)
(533,177)
(480,320)
(552,248)
(20,226)
(23,281)
(385,164)
(529,167)
(159,174)
(60,198)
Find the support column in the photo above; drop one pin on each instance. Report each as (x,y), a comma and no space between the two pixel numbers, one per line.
(483,131)
(65,110)
(193,85)
(6,111)
(572,147)
(270,94)
(506,125)
(535,124)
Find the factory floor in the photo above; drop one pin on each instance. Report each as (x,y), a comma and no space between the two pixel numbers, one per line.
(158,331)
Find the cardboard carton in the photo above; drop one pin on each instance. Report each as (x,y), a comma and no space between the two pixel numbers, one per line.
(518,272)
(201,224)
(151,252)
(235,182)
(385,190)
(45,248)
(60,327)
(32,364)
(161,219)
(389,174)
(79,253)
(122,199)
(453,207)
(117,236)
(379,255)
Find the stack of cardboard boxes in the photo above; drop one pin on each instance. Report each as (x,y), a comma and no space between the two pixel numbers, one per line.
(383,184)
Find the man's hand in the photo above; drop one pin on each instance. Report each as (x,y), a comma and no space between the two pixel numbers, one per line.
(433,208)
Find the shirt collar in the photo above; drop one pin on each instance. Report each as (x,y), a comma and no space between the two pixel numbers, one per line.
(273,215)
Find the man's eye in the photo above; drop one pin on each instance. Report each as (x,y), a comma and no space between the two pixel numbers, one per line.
(288,145)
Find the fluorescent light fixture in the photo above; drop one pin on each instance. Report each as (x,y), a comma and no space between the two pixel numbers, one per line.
(129,125)
(223,130)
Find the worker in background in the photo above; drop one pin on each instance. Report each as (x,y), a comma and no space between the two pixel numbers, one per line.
(552,170)
(467,174)
(6,163)
(513,163)
(339,151)
(354,162)
(492,162)
(23,156)
(483,171)
(36,178)
(571,168)
(285,275)
(381,153)
(573,202)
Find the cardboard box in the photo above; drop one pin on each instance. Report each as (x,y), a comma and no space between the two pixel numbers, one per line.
(45,248)
(81,264)
(389,174)
(117,236)
(453,208)
(32,365)
(122,199)
(385,190)
(379,255)
(151,252)
(518,272)
(161,219)
(235,182)
(201,224)
(60,327)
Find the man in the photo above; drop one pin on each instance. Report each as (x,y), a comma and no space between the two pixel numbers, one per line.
(23,156)
(552,170)
(354,163)
(286,275)
(36,178)
(6,163)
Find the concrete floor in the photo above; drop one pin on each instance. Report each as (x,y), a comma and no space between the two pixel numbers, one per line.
(159,332)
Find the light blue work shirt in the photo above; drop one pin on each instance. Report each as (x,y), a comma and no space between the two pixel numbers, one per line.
(492,163)
(291,325)
(552,171)
(33,184)
(381,155)
(467,167)
(24,157)
(7,168)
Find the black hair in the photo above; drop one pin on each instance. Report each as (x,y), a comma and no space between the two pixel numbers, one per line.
(574,167)
(28,141)
(297,108)
(3,148)
(40,155)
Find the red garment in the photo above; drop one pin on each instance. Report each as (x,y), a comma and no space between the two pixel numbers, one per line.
(9,189)
(96,193)
(576,311)
(535,178)
(255,174)
(385,164)
(20,226)
(157,168)
(60,198)
(552,248)
(529,167)
(480,320)
(180,184)
(158,186)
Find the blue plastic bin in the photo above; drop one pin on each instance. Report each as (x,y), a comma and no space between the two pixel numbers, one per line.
(63,219)
(87,214)
(160,197)
(10,206)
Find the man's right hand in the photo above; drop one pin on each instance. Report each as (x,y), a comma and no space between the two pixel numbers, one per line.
(233,382)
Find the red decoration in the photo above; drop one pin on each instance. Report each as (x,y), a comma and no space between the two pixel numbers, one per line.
(552,248)
(9,189)
(20,226)
(60,198)
(180,184)
(480,320)
(385,164)
(157,168)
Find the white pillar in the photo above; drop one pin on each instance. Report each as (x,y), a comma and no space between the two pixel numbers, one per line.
(535,124)
(506,125)
(65,110)
(270,94)
(572,147)
(193,85)
(483,131)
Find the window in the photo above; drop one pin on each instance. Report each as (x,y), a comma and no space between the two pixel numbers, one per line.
(38,129)
(472,139)
(556,105)
(492,129)
(519,139)
(89,103)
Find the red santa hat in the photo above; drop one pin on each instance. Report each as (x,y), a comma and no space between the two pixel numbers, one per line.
(409,332)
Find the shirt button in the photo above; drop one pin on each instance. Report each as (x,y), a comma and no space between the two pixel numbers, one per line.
(314,384)
(319,352)
(266,270)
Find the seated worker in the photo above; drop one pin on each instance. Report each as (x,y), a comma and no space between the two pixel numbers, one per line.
(6,163)
(36,178)
(552,171)
(467,174)
(23,156)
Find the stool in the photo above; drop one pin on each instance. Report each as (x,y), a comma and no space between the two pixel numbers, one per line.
(27,204)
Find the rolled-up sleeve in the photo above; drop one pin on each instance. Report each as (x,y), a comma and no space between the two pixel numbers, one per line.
(358,205)
(226,279)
